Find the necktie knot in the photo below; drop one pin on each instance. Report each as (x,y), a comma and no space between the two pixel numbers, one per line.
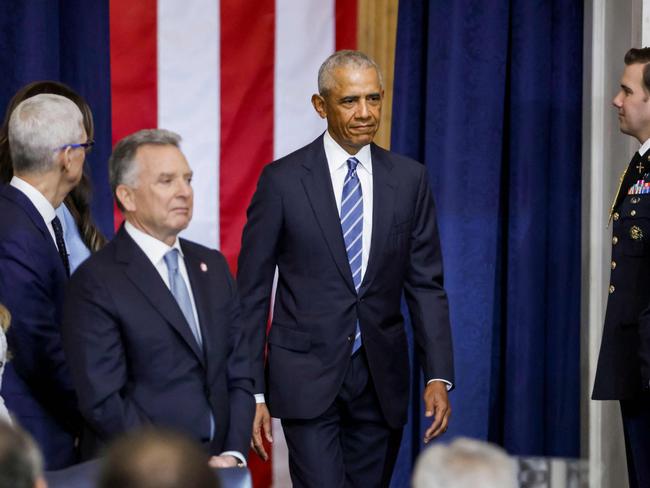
(352,166)
(171,260)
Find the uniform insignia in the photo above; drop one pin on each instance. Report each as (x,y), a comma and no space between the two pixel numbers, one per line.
(636,233)
(204,267)
(641,187)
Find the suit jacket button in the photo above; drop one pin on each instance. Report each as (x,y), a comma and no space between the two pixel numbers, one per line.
(613,264)
(614,240)
(611,289)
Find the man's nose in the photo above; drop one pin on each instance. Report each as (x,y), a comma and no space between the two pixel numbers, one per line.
(184,188)
(618,100)
(362,110)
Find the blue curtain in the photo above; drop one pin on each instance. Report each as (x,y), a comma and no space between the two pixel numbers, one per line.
(488,96)
(67,41)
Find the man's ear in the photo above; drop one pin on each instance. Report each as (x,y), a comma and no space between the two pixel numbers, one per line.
(319,105)
(65,159)
(124,195)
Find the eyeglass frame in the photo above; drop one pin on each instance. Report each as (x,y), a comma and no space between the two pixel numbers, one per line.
(86,145)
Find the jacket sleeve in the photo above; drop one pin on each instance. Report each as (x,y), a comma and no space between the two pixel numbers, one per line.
(96,356)
(256,268)
(424,292)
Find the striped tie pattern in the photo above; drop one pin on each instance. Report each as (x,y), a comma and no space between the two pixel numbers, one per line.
(352,228)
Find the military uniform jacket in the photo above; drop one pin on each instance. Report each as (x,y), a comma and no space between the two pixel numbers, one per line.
(624,362)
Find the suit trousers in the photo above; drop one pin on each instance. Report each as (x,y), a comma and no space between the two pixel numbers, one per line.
(636,428)
(350,444)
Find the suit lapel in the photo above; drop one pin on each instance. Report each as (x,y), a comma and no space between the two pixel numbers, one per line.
(20,199)
(318,186)
(383,203)
(145,276)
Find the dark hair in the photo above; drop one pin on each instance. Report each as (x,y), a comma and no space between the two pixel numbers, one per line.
(21,463)
(156,458)
(78,200)
(640,56)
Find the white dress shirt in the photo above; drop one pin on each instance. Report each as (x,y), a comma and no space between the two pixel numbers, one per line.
(155,251)
(644,147)
(42,204)
(4,414)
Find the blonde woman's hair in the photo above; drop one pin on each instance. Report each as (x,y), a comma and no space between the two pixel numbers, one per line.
(5,318)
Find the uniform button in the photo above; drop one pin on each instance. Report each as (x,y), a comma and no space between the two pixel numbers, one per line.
(633,213)
(613,264)
(350,337)
(635,200)
(611,289)
(615,216)
(614,240)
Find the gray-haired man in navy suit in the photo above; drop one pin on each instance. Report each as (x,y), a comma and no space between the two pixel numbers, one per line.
(350,228)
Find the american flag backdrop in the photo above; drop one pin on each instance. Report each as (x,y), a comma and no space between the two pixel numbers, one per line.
(234,78)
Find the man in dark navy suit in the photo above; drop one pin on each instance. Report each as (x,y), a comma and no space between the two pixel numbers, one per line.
(47,142)
(624,363)
(151,322)
(351,227)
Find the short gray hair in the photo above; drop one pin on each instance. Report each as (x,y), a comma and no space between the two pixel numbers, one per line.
(340,59)
(39,126)
(465,463)
(121,170)
(21,463)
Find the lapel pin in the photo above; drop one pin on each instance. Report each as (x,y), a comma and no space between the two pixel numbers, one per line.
(204,267)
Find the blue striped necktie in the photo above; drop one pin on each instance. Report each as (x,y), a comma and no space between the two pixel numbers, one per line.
(352,228)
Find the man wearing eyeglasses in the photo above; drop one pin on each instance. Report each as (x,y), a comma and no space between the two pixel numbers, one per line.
(47,141)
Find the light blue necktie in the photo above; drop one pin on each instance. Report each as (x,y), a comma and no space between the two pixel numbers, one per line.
(182,296)
(352,227)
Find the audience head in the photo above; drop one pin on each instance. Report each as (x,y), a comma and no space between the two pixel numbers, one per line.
(156,459)
(151,181)
(40,129)
(28,91)
(21,463)
(78,200)
(465,463)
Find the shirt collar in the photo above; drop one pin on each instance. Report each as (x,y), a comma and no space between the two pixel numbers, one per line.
(152,247)
(39,201)
(337,157)
(644,147)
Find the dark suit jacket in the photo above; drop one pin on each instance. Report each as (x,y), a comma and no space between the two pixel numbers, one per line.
(624,362)
(134,359)
(293,223)
(36,386)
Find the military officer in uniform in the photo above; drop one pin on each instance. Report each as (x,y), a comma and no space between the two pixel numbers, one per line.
(624,363)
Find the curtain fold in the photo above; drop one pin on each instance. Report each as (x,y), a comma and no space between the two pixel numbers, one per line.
(65,41)
(488,97)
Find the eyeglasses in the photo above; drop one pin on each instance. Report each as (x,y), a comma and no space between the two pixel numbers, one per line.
(86,145)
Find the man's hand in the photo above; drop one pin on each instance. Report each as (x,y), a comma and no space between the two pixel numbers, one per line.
(223,461)
(262,422)
(436,405)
